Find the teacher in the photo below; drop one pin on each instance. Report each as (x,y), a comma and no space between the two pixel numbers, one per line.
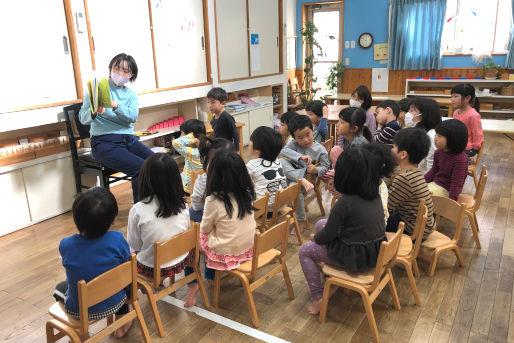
(112,134)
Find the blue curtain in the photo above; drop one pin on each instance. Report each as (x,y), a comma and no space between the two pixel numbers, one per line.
(415,30)
(509,64)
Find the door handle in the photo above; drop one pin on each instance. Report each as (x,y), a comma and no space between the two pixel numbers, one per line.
(65,44)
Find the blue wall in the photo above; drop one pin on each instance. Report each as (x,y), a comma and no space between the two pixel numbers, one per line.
(371,16)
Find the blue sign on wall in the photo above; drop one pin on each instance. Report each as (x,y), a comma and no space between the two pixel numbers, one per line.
(254,39)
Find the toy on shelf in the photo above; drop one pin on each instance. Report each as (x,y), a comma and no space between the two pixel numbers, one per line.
(25,149)
(170,122)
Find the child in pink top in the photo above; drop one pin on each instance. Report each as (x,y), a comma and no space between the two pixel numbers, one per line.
(467,105)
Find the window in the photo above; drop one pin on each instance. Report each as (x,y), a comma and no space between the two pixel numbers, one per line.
(476,26)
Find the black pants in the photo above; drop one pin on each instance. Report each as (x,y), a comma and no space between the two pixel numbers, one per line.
(62,287)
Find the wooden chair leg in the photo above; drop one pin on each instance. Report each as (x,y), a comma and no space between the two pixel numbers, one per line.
(371,316)
(249,298)
(297,229)
(141,321)
(320,201)
(412,281)
(475,178)
(199,280)
(153,306)
(456,250)
(474,228)
(62,330)
(433,263)
(217,285)
(287,279)
(392,289)
(415,268)
(476,221)
(324,302)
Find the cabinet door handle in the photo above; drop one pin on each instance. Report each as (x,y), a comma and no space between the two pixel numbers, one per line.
(277,41)
(203,44)
(65,44)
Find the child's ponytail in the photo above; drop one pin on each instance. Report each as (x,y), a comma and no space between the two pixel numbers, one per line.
(367,133)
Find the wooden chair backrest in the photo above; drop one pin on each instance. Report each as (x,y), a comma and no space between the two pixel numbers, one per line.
(479,154)
(276,235)
(286,196)
(173,248)
(328,144)
(261,207)
(419,228)
(451,210)
(480,188)
(194,176)
(105,286)
(387,255)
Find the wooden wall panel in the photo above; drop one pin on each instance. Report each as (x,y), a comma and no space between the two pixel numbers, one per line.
(354,77)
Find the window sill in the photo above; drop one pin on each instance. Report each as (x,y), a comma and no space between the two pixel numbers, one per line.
(456,55)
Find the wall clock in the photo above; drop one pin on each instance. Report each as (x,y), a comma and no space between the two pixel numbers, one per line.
(365,40)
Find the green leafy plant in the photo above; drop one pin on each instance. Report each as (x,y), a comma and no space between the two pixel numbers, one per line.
(491,69)
(307,91)
(335,75)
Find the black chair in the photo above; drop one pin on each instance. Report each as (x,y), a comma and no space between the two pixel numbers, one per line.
(85,163)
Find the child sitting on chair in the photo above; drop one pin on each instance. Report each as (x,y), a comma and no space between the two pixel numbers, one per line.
(191,132)
(266,171)
(303,157)
(387,113)
(283,128)
(317,111)
(160,215)
(228,227)
(410,147)
(351,237)
(92,252)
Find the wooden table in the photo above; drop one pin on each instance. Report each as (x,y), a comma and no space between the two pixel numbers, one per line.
(239,126)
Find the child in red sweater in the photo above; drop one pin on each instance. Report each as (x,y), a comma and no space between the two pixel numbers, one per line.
(467,105)
(450,168)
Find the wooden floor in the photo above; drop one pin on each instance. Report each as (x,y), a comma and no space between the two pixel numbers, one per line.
(470,304)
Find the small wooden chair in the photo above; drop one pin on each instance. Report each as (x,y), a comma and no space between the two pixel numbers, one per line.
(261,212)
(194,176)
(472,204)
(164,252)
(264,253)
(286,201)
(409,248)
(92,293)
(472,168)
(368,284)
(439,242)
(316,181)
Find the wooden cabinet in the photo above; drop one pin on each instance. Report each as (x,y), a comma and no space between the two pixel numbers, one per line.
(491,105)
(264,26)
(261,117)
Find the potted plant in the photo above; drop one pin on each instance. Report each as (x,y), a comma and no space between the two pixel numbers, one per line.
(307,92)
(491,70)
(334,77)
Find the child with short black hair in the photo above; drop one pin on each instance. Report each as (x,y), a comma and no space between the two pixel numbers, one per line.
(424,113)
(317,111)
(404,108)
(408,187)
(92,252)
(223,124)
(300,158)
(228,226)
(191,132)
(266,171)
(352,235)
(467,111)
(361,97)
(387,113)
(450,168)
(283,128)
(159,215)
(207,148)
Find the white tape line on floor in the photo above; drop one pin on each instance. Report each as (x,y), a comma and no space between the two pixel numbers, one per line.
(225,321)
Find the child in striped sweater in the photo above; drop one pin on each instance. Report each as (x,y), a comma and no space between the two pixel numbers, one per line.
(410,146)
(450,168)
(387,113)
(191,131)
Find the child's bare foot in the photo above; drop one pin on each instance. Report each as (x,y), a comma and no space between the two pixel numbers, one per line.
(301,225)
(315,306)
(191,296)
(119,333)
